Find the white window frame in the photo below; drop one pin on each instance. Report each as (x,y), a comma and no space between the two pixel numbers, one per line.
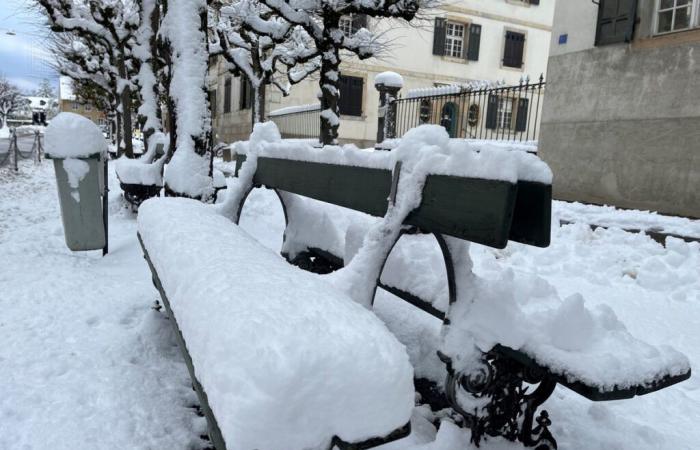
(505,109)
(451,39)
(694,17)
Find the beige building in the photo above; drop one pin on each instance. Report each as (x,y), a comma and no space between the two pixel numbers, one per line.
(465,41)
(69,102)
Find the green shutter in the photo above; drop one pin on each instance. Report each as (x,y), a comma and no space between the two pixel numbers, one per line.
(615,21)
(474,43)
(439,37)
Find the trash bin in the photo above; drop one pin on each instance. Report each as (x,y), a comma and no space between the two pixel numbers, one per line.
(79,152)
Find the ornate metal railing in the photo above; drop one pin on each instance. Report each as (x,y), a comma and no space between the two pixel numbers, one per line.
(495,113)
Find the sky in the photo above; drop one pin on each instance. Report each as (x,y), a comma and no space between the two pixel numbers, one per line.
(23,58)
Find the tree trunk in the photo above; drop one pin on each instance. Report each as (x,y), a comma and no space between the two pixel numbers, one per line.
(119,134)
(125,97)
(172,128)
(258,103)
(328,82)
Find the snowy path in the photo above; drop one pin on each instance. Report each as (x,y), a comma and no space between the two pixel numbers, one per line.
(86,364)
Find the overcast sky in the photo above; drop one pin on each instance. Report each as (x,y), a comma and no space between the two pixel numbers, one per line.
(23,58)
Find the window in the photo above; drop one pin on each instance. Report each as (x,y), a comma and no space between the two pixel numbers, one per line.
(514,49)
(75,105)
(350,23)
(504,116)
(245,100)
(227,95)
(351,94)
(454,39)
(88,107)
(457,40)
(675,15)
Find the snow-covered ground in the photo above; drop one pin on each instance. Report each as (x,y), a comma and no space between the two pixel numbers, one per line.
(87,364)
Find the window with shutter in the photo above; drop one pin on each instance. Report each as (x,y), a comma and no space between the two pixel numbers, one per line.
(514,49)
(351,94)
(350,23)
(615,21)
(227,95)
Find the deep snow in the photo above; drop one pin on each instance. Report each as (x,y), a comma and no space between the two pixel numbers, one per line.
(87,364)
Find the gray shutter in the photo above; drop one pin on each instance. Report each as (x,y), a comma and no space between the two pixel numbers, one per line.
(439,37)
(534,2)
(474,43)
(492,112)
(521,118)
(359,21)
(514,48)
(227,95)
(615,21)
(351,93)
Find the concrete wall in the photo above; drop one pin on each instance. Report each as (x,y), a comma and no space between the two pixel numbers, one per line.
(621,124)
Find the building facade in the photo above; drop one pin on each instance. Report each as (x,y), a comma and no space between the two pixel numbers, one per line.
(462,42)
(69,102)
(621,119)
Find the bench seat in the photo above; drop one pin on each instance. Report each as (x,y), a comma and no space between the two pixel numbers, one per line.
(285,360)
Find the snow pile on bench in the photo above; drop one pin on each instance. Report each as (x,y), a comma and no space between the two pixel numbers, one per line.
(443,156)
(143,170)
(73,136)
(286,360)
(583,344)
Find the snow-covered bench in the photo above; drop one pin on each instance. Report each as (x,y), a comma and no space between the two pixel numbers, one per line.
(488,198)
(280,358)
(142,178)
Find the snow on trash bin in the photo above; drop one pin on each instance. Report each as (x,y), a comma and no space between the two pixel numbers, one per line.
(78,150)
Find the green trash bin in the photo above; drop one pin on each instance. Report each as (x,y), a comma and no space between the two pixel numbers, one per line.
(80,167)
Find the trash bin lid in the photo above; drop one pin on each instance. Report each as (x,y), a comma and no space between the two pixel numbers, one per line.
(73,136)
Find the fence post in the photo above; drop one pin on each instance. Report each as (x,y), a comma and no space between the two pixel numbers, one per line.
(13,147)
(388,84)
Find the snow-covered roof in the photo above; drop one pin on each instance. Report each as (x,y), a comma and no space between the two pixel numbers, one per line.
(65,89)
(452,88)
(40,103)
(295,109)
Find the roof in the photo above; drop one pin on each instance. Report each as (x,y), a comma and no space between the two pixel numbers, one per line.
(40,103)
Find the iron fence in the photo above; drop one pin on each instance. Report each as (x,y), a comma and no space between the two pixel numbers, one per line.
(303,122)
(494,113)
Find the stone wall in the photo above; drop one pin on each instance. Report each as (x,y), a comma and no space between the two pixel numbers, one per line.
(621,125)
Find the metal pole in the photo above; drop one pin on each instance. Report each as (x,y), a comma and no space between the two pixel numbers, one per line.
(13,142)
(105,215)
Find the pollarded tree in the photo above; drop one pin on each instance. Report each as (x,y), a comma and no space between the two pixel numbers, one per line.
(321,21)
(11,99)
(184,31)
(266,48)
(109,25)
